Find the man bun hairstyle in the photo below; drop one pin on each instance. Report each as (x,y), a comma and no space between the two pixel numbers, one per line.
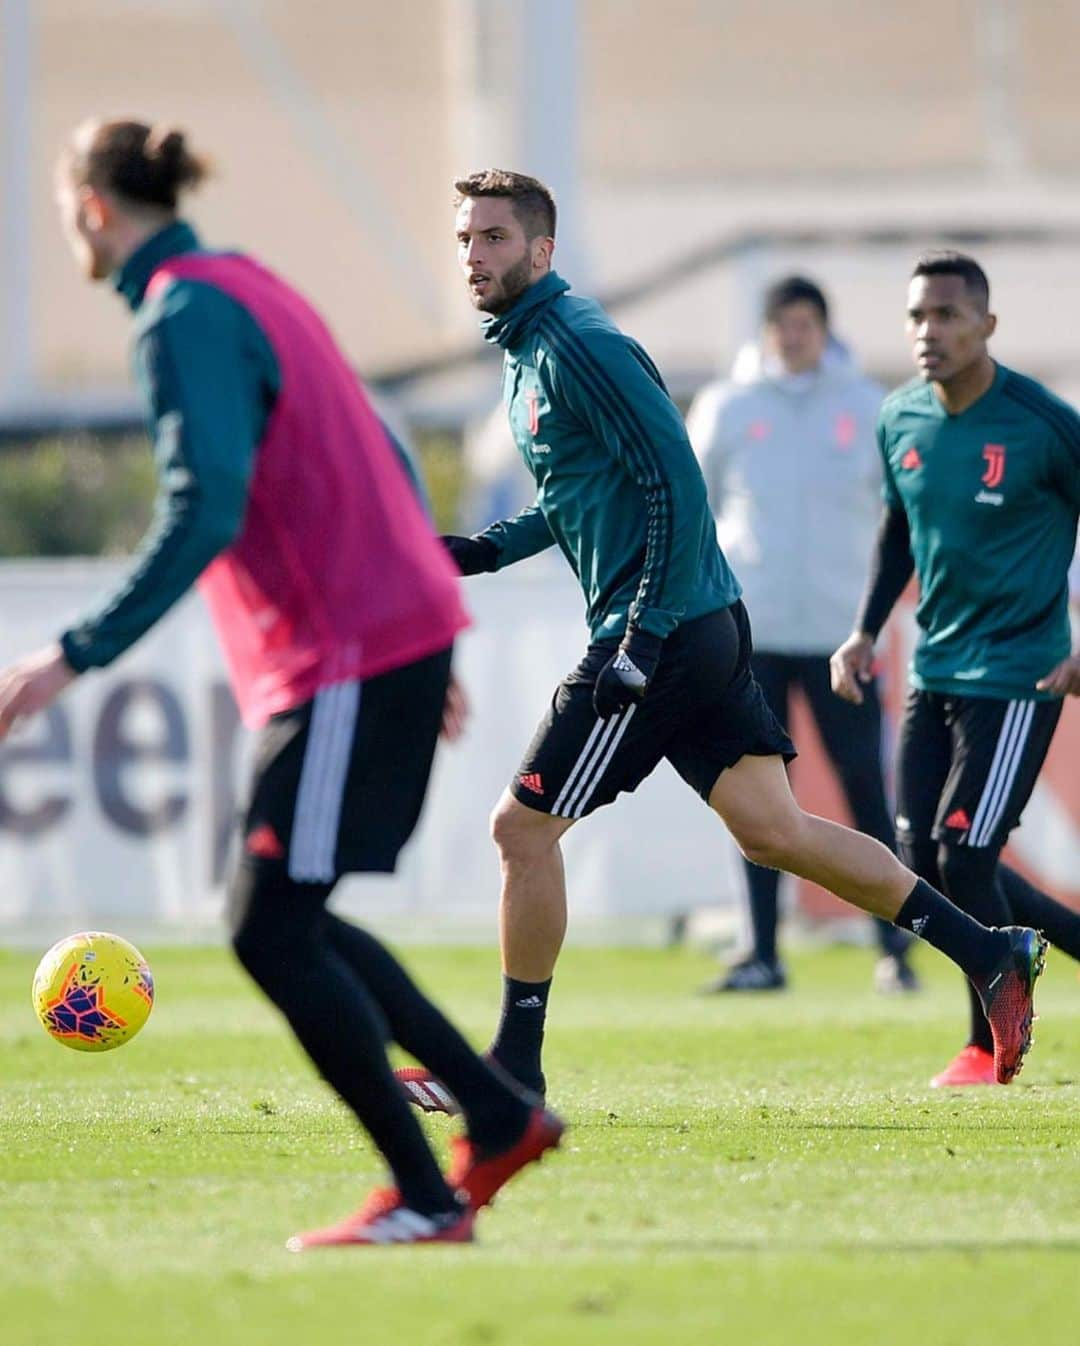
(533,203)
(794,290)
(144,165)
(946,262)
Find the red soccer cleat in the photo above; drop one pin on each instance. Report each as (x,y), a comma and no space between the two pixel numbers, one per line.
(424,1091)
(384,1220)
(1007,996)
(481,1175)
(974,1065)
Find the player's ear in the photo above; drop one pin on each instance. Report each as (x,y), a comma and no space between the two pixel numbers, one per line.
(990,325)
(542,249)
(96,209)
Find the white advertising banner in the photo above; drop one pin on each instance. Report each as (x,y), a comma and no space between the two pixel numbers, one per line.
(118,807)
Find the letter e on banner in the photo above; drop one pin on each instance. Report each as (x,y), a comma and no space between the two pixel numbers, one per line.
(119,745)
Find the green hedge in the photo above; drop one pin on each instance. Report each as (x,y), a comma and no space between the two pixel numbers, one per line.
(91,495)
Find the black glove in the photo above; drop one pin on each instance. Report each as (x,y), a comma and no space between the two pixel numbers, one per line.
(473,555)
(625,678)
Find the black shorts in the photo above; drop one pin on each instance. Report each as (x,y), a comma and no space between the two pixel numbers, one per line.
(703,712)
(339,782)
(966,766)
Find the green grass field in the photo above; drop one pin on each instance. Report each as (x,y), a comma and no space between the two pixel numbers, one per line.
(763,1170)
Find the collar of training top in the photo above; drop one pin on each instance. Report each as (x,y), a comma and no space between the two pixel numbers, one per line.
(133,277)
(504,329)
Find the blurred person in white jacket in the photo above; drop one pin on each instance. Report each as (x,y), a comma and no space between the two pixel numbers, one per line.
(788,452)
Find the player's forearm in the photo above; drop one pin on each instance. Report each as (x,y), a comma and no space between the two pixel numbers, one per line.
(516,539)
(891,566)
(173,555)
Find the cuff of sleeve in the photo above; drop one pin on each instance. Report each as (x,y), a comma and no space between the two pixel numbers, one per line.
(74,657)
(497,541)
(653,622)
(646,642)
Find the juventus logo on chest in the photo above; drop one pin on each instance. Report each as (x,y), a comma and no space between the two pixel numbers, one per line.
(994,456)
(532,402)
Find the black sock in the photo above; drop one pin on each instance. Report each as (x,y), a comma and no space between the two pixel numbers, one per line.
(981,1034)
(494,1114)
(762,887)
(519,1038)
(1030,906)
(931,916)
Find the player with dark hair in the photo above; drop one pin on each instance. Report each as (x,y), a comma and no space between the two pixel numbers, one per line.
(982,496)
(667,673)
(281,493)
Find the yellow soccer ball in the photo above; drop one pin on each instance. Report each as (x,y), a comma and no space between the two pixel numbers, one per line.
(93,991)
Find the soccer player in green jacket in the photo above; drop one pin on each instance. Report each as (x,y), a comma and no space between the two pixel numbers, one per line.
(982,495)
(667,672)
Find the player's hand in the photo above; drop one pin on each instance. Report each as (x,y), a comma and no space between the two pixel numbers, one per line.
(625,678)
(32,685)
(472,555)
(852,665)
(455,714)
(1064,680)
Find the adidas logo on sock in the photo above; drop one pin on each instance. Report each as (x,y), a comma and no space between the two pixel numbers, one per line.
(919,924)
(530,1002)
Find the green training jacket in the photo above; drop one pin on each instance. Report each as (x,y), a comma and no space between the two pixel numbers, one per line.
(618,487)
(992,498)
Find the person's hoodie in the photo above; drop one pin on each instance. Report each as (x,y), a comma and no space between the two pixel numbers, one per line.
(793,474)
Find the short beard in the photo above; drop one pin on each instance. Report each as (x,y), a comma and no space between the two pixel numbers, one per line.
(512,285)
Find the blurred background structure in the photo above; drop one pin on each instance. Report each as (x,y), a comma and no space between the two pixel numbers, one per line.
(697,149)
(751,135)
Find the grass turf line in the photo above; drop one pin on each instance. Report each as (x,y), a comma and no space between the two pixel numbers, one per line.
(740,1169)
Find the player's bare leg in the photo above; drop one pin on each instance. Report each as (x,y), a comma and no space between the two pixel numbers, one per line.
(532,926)
(755,801)
(532,902)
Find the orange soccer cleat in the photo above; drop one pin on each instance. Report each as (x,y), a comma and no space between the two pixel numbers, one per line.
(384,1220)
(974,1065)
(480,1175)
(1007,995)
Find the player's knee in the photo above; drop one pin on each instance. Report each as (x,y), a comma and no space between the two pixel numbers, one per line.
(521,833)
(773,843)
(260,931)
